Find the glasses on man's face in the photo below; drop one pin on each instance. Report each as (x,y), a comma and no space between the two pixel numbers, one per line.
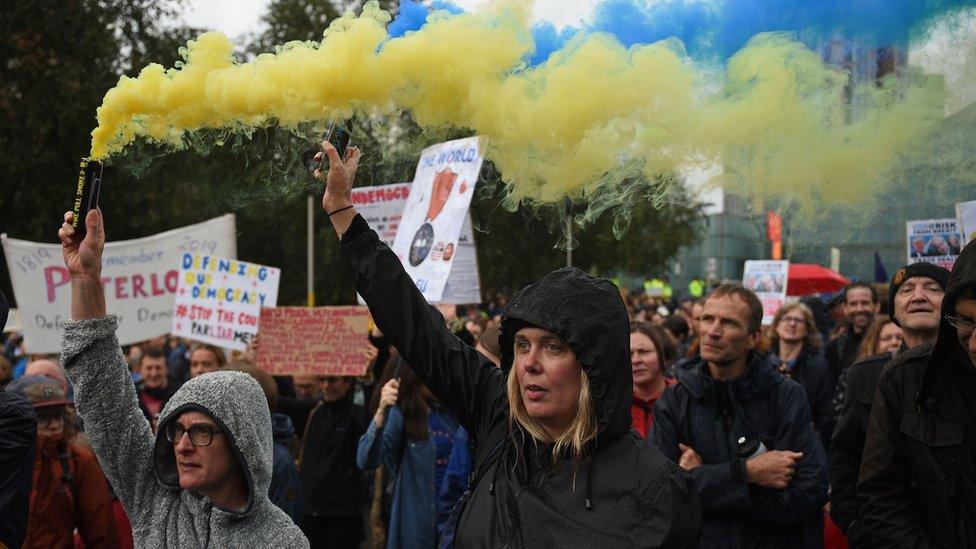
(200,435)
(965,327)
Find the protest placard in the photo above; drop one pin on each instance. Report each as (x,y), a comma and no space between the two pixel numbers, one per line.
(768,280)
(934,241)
(429,237)
(219,300)
(140,278)
(464,284)
(381,206)
(325,341)
(966,214)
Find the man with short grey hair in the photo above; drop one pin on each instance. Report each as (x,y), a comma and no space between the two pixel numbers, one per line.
(914,299)
(918,476)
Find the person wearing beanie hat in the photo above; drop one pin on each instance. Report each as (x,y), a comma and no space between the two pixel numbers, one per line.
(918,475)
(914,298)
(69,490)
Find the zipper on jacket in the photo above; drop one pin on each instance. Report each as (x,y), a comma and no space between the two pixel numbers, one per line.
(723,422)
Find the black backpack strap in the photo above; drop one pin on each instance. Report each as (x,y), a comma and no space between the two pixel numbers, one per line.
(447,538)
(67,476)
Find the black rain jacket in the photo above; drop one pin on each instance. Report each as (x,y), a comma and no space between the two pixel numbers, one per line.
(331,484)
(761,404)
(812,372)
(847,445)
(918,472)
(841,352)
(18,433)
(625,495)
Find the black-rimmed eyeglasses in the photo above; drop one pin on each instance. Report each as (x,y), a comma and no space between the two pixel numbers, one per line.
(200,435)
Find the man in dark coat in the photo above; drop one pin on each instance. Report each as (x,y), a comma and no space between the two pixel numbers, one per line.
(918,475)
(18,434)
(914,299)
(861,304)
(331,484)
(744,432)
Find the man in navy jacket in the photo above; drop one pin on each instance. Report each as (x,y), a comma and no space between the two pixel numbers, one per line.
(744,433)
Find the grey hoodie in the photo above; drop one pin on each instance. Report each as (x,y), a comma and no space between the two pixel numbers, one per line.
(141,466)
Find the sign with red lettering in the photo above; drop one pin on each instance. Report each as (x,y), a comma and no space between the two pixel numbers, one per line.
(431,241)
(325,341)
(219,300)
(140,278)
(381,207)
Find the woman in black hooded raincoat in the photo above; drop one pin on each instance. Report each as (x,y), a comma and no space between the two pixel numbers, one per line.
(615,492)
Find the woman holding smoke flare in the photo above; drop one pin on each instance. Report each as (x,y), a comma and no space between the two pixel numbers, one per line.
(556,463)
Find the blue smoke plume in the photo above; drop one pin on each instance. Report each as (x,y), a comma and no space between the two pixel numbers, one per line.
(716,29)
(412,15)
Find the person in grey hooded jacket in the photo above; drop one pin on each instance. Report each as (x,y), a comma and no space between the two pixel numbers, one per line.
(202,479)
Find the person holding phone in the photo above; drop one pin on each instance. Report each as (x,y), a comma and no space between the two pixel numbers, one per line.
(556,462)
(413,436)
(202,479)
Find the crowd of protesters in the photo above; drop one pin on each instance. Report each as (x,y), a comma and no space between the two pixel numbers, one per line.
(648,417)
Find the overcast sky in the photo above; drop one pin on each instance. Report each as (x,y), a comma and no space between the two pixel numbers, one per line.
(950,50)
(234,17)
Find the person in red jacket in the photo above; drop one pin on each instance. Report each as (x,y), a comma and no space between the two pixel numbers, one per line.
(651,352)
(69,490)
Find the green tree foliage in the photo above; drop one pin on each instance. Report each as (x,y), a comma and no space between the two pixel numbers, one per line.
(57,59)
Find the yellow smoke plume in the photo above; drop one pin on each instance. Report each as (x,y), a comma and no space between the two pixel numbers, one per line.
(780,121)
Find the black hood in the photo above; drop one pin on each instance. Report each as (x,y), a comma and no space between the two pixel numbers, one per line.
(589,315)
(948,352)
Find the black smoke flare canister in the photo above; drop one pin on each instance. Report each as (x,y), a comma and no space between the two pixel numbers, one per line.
(86,193)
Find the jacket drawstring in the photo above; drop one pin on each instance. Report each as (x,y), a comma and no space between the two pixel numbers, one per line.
(589,486)
(494,474)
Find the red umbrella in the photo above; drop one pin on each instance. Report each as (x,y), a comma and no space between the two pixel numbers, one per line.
(808,278)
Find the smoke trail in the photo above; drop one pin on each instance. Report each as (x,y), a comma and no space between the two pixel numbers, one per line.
(412,15)
(582,124)
(719,28)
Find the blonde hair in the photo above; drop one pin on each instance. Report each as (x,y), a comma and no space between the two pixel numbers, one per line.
(574,440)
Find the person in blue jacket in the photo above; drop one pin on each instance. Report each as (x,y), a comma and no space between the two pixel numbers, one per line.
(412,435)
(461,464)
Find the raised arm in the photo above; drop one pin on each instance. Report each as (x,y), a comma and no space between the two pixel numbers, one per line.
(104,392)
(471,387)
